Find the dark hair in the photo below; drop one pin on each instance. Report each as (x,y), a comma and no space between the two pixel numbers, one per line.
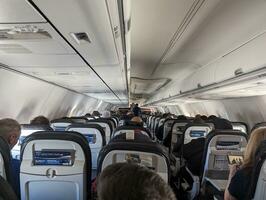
(40,120)
(122,181)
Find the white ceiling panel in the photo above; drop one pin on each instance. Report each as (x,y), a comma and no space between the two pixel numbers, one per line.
(90,17)
(18,11)
(153,25)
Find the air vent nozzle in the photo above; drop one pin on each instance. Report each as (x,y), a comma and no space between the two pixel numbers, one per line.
(80,37)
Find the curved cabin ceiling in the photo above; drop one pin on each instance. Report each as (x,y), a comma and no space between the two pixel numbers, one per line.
(137,50)
(188,42)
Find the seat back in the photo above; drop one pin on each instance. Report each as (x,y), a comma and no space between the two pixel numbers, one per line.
(5,160)
(106,125)
(130,128)
(241,126)
(258,125)
(194,131)
(79,120)
(143,152)
(55,166)
(26,130)
(167,126)
(60,124)
(218,145)
(258,178)
(95,135)
(6,191)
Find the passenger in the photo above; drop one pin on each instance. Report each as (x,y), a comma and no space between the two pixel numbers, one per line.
(122,181)
(106,114)
(10,130)
(137,120)
(136,110)
(198,119)
(204,117)
(95,113)
(40,120)
(240,176)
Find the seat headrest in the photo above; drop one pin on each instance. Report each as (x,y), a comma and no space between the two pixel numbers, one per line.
(36,127)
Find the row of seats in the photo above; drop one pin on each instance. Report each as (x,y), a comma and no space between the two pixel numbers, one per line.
(46,156)
(217,145)
(64,159)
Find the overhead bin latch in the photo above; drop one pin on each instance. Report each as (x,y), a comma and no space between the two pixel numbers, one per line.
(238,71)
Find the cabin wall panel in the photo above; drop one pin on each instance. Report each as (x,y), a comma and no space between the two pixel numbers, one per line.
(251,110)
(23,98)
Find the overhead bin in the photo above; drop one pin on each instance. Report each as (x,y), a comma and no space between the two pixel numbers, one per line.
(18,11)
(90,19)
(243,59)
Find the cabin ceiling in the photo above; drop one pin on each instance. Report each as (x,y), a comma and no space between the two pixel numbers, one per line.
(38,41)
(173,39)
(166,43)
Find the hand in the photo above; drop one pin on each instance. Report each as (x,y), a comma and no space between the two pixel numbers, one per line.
(233,169)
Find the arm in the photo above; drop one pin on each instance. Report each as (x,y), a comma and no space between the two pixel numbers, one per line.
(227,195)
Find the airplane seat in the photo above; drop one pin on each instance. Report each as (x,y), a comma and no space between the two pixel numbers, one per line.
(55,166)
(174,135)
(195,130)
(105,124)
(258,125)
(126,148)
(79,120)
(61,124)
(6,191)
(218,145)
(258,177)
(95,136)
(241,126)
(112,121)
(5,160)
(116,120)
(130,128)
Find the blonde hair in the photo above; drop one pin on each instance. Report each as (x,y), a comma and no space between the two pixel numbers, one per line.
(256,137)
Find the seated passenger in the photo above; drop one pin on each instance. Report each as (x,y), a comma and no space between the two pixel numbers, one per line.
(137,121)
(95,113)
(240,176)
(40,120)
(122,181)
(10,130)
(106,114)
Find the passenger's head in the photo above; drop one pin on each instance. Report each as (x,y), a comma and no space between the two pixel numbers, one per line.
(198,119)
(10,130)
(223,124)
(40,120)
(106,114)
(256,137)
(181,117)
(137,121)
(95,113)
(132,182)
